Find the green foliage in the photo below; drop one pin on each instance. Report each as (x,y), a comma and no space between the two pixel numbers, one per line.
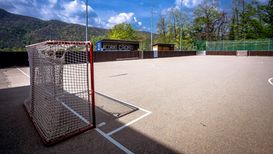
(267,17)
(251,20)
(200,45)
(144,39)
(13,49)
(162,30)
(122,31)
(173,26)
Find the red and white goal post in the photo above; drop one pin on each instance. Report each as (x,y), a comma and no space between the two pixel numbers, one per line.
(62,96)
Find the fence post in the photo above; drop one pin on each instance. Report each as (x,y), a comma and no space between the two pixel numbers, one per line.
(223,47)
(270,42)
(255,47)
(244,44)
(268,45)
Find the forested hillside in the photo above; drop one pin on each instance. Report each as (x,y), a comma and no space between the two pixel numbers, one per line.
(16,31)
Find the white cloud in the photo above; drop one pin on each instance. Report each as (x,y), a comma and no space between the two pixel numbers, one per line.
(64,10)
(165,11)
(120,18)
(182,3)
(71,11)
(187,3)
(135,19)
(52,3)
(23,7)
(75,6)
(143,28)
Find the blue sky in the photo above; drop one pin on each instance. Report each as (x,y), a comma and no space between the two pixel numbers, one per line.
(102,13)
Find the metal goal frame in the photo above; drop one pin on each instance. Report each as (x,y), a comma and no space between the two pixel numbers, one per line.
(29,103)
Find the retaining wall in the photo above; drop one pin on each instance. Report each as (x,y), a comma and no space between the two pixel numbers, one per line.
(249,53)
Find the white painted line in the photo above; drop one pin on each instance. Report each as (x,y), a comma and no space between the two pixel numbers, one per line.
(270,81)
(74,112)
(114,142)
(22,72)
(101,124)
(129,123)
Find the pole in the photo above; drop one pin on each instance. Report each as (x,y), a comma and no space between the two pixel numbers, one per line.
(152,30)
(181,26)
(268,45)
(86,16)
(90,77)
(91,59)
(244,43)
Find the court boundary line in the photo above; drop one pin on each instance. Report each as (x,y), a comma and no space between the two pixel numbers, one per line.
(22,72)
(270,80)
(108,135)
(113,141)
(128,124)
(131,122)
(75,113)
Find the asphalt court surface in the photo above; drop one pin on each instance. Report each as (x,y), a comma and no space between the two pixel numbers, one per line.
(196,104)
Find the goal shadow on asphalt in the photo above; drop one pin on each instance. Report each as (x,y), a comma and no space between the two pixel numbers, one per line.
(112,106)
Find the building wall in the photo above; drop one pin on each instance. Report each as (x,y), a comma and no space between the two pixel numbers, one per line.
(162,48)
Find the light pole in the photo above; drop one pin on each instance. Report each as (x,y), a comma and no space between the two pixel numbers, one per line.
(86,16)
(152,29)
(181,38)
(181,26)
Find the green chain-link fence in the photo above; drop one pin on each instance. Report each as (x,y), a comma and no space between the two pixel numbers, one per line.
(228,45)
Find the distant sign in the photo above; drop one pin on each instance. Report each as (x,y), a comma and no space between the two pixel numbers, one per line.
(116,46)
(125,47)
(98,46)
(109,46)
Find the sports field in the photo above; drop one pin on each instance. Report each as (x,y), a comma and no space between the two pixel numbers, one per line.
(195,104)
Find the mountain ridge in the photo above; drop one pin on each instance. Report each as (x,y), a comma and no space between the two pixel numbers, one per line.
(17,31)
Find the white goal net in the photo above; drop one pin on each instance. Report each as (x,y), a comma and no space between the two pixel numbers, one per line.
(61,102)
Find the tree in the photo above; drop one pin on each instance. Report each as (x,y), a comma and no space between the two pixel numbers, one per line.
(144,41)
(162,30)
(209,23)
(267,17)
(122,31)
(171,26)
(247,20)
